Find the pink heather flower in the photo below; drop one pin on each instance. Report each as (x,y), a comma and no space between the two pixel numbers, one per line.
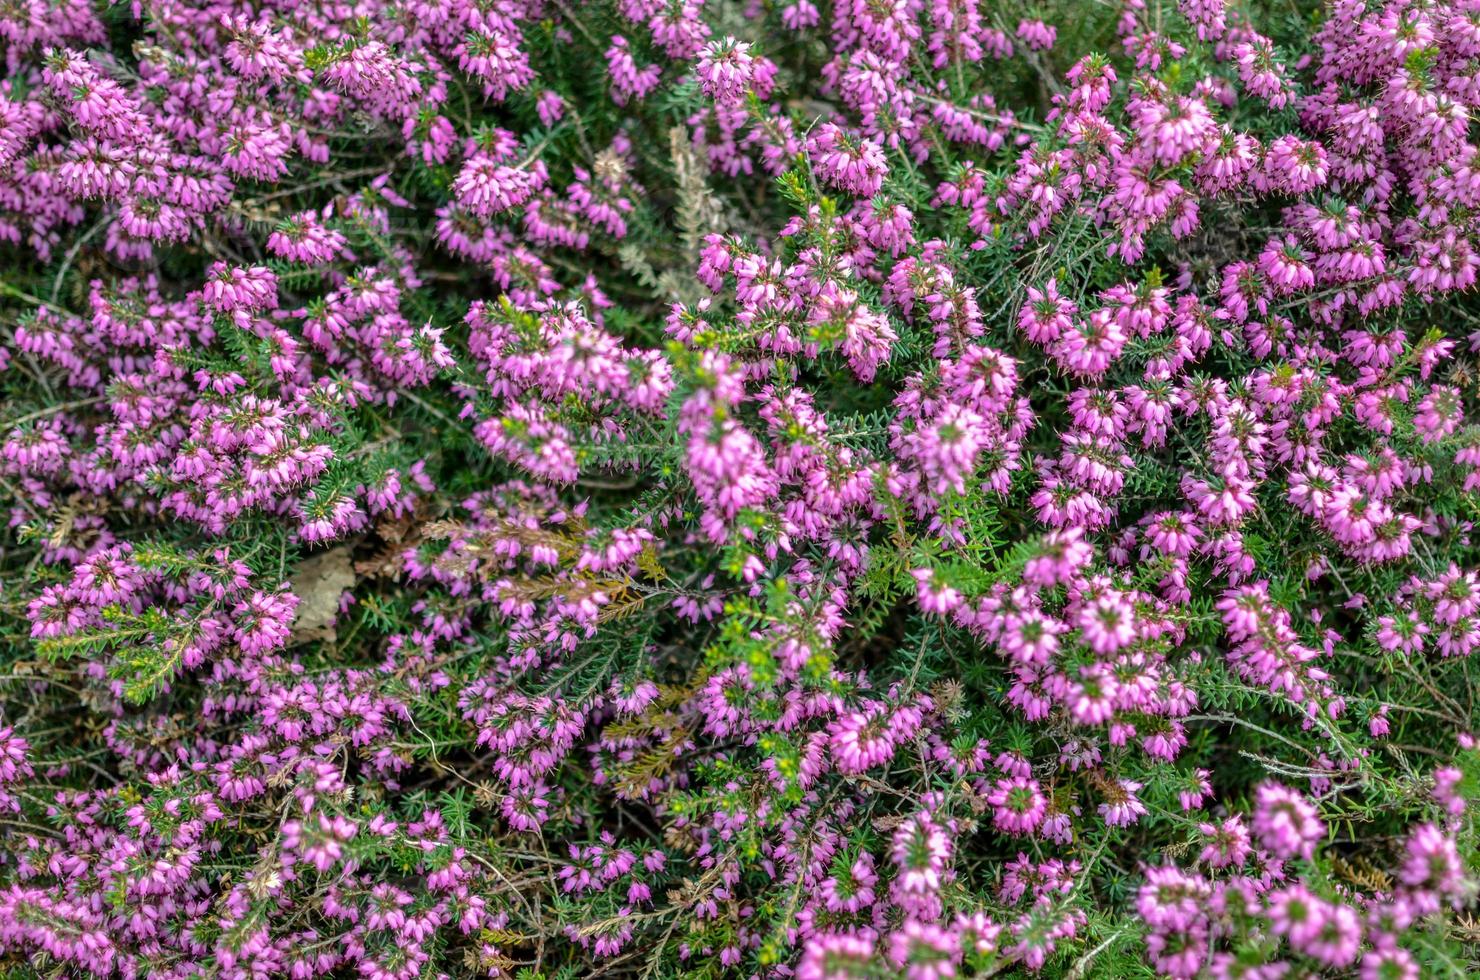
(631,697)
(1046,316)
(861,740)
(1390,963)
(725,69)
(924,951)
(1208,16)
(263,621)
(1174,129)
(1439,413)
(1091,345)
(1227,843)
(231,288)
(1062,555)
(1329,933)
(890,227)
(319,840)
(1294,166)
(526,806)
(492,55)
(1107,623)
(14,766)
(1019,806)
(921,850)
(1432,863)
(304,238)
(550,107)
(1093,696)
(800,15)
(257,149)
(1456,596)
(1170,899)
(1286,265)
(1295,913)
(1262,75)
(329,517)
(1173,533)
(485,187)
(1121,806)
(852,890)
(1013,763)
(837,956)
(1031,637)
(867,336)
(629,82)
(977,933)
(1036,35)
(1197,790)
(1446,794)
(1092,79)
(935,596)
(851,164)
(1285,822)
(949,448)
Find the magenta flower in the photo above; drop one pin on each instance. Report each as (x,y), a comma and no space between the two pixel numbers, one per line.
(1018,805)
(1285,822)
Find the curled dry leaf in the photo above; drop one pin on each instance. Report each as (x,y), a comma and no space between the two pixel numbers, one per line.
(319,582)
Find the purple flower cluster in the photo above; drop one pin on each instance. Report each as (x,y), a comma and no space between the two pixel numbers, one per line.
(1243,887)
(793,490)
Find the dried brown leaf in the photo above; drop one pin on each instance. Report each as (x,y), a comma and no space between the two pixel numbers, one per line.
(318,583)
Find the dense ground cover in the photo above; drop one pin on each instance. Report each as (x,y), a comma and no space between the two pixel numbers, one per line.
(661,488)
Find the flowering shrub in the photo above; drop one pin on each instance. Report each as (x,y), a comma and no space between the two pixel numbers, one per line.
(664,488)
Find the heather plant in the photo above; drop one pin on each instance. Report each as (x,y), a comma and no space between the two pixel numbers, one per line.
(686,488)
